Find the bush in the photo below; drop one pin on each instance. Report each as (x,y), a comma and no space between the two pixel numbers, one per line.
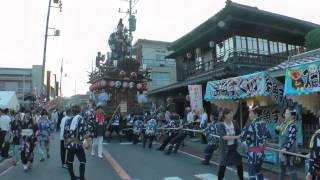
(312,39)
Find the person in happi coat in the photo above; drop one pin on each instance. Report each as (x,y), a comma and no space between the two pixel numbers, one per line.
(176,141)
(138,125)
(211,133)
(63,149)
(150,131)
(287,131)
(99,128)
(115,126)
(254,136)
(29,137)
(46,128)
(76,140)
(170,132)
(229,132)
(314,161)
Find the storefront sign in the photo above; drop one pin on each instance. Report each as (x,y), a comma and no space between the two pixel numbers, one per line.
(303,79)
(195,93)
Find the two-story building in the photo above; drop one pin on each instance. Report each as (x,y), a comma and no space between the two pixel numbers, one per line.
(152,54)
(238,40)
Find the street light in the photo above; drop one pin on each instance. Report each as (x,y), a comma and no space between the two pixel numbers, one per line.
(57,33)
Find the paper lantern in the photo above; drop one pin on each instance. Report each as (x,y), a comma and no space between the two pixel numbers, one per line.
(187,98)
(133,75)
(125,84)
(122,73)
(103,83)
(111,83)
(117,84)
(126,78)
(139,86)
(131,85)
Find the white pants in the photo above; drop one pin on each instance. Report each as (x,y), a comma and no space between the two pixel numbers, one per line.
(97,142)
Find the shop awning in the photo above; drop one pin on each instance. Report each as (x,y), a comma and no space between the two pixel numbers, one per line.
(302,79)
(252,85)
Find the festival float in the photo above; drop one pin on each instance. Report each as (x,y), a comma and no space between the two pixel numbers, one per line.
(119,81)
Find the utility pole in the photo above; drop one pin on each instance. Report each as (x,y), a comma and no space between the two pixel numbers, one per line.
(132,22)
(61,71)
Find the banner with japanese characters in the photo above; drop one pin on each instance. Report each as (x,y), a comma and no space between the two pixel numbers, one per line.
(303,79)
(195,93)
(238,87)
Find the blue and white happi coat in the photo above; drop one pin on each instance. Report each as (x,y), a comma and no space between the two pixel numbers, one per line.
(254,135)
(151,127)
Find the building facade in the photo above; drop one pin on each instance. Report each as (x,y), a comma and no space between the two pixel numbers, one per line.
(153,55)
(238,40)
(26,83)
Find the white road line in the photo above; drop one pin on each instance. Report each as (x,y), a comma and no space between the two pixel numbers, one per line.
(7,170)
(172,178)
(215,163)
(206,176)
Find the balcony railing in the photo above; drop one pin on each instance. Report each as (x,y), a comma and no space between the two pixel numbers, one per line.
(234,58)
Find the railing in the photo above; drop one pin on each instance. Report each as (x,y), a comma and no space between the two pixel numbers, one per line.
(239,57)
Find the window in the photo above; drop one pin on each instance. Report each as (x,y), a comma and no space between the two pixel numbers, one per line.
(160,57)
(241,44)
(263,46)
(273,47)
(160,79)
(252,45)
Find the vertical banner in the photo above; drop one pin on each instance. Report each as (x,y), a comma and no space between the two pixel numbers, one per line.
(195,93)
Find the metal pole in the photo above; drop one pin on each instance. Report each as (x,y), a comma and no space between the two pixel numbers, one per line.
(61,70)
(45,44)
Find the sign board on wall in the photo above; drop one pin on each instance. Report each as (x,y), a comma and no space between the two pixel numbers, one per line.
(195,93)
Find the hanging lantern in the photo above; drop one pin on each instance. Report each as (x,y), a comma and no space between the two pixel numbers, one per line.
(125,84)
(145,86)
(117,84)
(131,85)
(187,98)
(103,83)
(111,83)
(133,75)
(139,86)
(122,73)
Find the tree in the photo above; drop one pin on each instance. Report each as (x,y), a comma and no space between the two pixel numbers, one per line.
(312,39)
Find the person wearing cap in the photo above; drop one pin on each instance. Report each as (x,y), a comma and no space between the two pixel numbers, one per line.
(254,136)
(287,131)
(46,128)
(99,127)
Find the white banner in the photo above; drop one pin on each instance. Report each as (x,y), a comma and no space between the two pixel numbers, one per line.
(195,93)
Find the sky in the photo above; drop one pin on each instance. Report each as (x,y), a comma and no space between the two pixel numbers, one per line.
(86,25)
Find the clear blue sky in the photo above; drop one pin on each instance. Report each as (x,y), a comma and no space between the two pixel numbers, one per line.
(85,26)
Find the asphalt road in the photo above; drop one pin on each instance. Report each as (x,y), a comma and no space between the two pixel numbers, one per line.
(127,160)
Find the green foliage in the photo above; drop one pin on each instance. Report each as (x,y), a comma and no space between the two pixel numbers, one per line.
(312,39)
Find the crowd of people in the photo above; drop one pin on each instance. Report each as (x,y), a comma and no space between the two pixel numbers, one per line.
(28,133)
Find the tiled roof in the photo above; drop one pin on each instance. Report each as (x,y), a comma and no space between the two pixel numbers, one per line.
(304,58)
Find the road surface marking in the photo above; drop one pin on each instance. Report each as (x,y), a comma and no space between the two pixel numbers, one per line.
(212,162)
(126,143)
(115,165)
(206,176)
(172,178)
(5,171)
